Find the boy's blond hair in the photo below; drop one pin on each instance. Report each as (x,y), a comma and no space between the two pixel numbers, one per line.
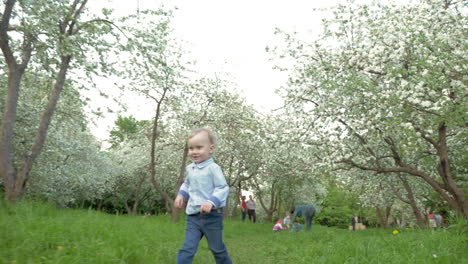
(197,131)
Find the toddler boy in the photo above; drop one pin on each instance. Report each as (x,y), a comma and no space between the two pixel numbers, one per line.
(206,191)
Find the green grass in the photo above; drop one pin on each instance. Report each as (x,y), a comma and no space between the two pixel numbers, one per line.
(38,233)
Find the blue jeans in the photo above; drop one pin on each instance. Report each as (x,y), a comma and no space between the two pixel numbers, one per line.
(308,217)
(209,225)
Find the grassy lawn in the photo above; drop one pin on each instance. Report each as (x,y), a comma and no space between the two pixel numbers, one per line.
(37,233)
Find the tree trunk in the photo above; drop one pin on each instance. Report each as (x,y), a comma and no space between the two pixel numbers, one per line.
(127,207)
(135,207)
(180,180)
(237,199)
(99,205)
(15,180)
(15,73)
(273,201)
(383,215)
(448,190)
(445,172)
(154,138)
(412,202)
(41,134)
(137,196)
(7,169)
(226,209)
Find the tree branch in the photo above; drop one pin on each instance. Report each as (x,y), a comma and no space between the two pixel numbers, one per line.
(4,24)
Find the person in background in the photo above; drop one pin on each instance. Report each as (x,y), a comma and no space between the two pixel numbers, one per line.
(277,227)
(354,221)
(251,206)
(243,208)
(438,220)
(432,222)
(287,221)
(206,191)
(296,227)
(306,211)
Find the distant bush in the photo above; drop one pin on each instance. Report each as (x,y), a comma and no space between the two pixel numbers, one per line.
(337,209)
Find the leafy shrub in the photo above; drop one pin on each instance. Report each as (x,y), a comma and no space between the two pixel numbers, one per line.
(335,216)
(338,208)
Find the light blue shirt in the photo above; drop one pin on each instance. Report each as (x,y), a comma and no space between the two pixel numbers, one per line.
(204,182)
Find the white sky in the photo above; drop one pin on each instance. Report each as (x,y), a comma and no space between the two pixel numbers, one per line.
(230,36)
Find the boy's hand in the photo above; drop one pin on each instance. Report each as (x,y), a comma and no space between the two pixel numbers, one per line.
(206,207)
(179,201)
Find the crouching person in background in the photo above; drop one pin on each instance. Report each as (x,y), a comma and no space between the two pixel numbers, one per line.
(296,227)
(278,227)
(307,212)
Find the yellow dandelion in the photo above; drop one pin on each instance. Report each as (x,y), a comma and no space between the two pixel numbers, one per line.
(60,248)
(395,232)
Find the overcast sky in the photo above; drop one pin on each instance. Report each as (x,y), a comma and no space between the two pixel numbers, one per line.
(231,36)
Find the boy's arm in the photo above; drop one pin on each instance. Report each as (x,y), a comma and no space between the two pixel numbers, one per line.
(184,188)
(183,194)
(221,188)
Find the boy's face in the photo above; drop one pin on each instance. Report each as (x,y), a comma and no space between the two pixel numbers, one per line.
(200,147)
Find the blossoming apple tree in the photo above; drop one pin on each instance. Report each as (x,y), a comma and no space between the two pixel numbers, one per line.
(384,88)
(48,38)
